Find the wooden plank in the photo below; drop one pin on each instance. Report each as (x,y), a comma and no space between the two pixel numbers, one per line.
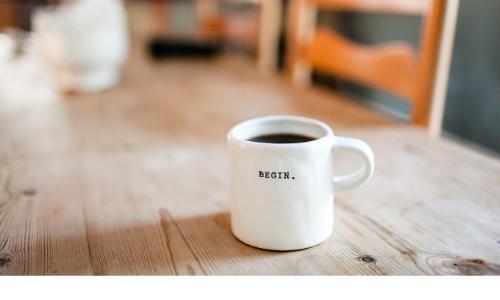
(159,11)
(269,32)
(443,68)
(428,60)
(134,181)
(391,66)
(210,23)
(301,22)
(8,15)
(410,7)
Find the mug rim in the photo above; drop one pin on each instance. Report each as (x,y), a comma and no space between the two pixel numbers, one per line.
(327,131)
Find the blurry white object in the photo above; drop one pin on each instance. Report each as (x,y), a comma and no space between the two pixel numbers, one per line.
(85,42)
(23,73)
(7,47)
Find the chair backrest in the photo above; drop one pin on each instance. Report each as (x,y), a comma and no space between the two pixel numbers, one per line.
(391,66)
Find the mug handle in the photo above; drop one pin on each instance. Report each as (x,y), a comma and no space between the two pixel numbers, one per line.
(360,176)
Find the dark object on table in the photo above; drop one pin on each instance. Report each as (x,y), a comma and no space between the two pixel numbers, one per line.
(162,48)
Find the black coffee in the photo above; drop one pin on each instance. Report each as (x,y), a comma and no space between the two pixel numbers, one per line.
(282,138)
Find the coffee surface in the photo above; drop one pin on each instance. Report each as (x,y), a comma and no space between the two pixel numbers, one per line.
(282,138)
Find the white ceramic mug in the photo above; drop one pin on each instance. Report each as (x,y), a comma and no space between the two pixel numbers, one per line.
(282,193)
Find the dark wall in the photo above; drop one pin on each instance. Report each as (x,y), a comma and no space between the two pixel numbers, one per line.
(473,100)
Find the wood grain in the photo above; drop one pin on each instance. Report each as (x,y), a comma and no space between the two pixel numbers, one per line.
(134,181)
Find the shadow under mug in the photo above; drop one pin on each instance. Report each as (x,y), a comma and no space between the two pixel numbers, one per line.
(282,194)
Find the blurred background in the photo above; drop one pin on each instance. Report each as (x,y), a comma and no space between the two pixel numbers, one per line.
(57,47)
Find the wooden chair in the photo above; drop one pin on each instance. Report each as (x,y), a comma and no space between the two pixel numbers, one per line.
(392,66)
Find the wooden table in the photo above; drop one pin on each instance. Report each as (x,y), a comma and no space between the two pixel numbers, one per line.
(134,181)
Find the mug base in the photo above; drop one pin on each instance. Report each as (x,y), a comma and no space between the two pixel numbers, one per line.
(280,249)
